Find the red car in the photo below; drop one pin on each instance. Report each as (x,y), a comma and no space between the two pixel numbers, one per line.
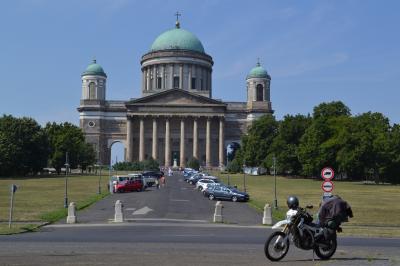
(129,184)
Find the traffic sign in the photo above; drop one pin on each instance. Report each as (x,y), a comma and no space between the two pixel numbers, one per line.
(327,173)
(327,186)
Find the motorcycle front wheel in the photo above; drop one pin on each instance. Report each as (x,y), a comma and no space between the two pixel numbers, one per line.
(276,246)
(327,249)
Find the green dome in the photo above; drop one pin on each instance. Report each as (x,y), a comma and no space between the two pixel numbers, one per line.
(94,69)
(177,39)
(258,72)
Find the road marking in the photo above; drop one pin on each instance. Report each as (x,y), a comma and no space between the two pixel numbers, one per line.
(130,209)
(166,219)
(142,211)
(183,188)
(179,200)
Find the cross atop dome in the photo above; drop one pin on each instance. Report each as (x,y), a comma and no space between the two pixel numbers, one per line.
(177,24)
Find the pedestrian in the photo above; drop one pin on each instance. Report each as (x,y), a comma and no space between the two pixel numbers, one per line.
(162,179)
(157,183)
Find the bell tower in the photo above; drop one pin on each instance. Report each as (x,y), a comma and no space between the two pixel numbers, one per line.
(258,92)
(94,83)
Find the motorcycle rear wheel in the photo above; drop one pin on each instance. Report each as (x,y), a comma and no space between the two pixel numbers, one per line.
(276,247)
(325,253)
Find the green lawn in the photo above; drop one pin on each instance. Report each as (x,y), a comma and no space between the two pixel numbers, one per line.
(42,199)
(373,205)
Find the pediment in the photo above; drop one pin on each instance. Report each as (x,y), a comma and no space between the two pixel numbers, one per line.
(175,97)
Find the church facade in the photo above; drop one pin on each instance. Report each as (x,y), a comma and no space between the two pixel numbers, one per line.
(176,119)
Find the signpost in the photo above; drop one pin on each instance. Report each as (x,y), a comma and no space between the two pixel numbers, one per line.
(327,174)
(13,189)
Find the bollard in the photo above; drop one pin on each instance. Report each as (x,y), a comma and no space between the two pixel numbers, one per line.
(218,218)
(267,219)
(119,214)
(71,218)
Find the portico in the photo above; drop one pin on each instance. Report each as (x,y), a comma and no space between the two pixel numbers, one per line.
(162,129)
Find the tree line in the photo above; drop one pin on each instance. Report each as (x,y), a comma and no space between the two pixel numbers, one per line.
(27,148)
(359,147)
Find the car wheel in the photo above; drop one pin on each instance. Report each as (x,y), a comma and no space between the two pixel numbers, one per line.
(191,182)
(200,188)
(234,198)
(211,197)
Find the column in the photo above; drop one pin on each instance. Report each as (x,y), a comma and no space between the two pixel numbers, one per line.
(154,77)
(143,79)
(141,139)
(180,76)
(148,78)
(171,77)
(195,139)
(190,77)
(182,142)
(163,77)
(154,153)
(221,142)
(208,142)
(129,140)
(167,144)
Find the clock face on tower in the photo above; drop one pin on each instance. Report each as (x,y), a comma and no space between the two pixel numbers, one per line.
(91,123)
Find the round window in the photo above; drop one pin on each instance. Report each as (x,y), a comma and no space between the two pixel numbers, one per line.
(91,124)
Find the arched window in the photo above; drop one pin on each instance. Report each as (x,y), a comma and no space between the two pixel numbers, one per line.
(92,90)
(260,92)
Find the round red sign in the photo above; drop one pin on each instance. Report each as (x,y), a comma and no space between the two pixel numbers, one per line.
(327,186)
(327,173)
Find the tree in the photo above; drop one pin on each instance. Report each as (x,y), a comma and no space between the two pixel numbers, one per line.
(66,137)
(285,145)
(256,143)
(318,146)
(23,146)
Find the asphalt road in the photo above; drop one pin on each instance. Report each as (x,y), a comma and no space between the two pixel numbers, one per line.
(177,231)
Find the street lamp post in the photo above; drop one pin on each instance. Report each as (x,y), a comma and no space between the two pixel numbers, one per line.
(244,177)
(66,181)
(275,199)
(100,181)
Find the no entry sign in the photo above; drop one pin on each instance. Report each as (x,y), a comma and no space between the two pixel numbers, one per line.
(327,186)
(327,173)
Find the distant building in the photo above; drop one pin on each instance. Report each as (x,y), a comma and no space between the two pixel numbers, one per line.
(176,118)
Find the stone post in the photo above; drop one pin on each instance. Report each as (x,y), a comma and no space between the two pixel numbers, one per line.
(267,219)
(218,217)
(119,214)
(71,218)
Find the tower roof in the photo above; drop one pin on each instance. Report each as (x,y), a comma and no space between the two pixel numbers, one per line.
(94,69)
(258,72)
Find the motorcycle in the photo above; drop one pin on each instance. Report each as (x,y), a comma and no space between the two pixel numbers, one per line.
(299,229)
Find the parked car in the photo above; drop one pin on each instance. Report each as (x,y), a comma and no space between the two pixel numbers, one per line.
(193,179)
(189,175)
(136,176)
(202,183)
(222,192)
(129,183)
(151,176)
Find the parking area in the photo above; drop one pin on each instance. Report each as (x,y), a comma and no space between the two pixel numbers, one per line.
(176,201)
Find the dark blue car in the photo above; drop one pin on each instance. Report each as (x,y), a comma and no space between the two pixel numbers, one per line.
(222,192)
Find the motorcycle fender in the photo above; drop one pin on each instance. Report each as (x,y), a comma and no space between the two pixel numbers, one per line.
(280,224)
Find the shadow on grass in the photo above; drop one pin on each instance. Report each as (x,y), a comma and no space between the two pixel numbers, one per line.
(341,259)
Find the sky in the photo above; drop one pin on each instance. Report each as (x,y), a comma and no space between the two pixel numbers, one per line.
(315,51)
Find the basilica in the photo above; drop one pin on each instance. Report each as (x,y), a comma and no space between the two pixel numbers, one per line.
(176,118)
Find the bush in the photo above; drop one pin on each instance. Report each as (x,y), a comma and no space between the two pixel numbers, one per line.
(194,164)
(234,167)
